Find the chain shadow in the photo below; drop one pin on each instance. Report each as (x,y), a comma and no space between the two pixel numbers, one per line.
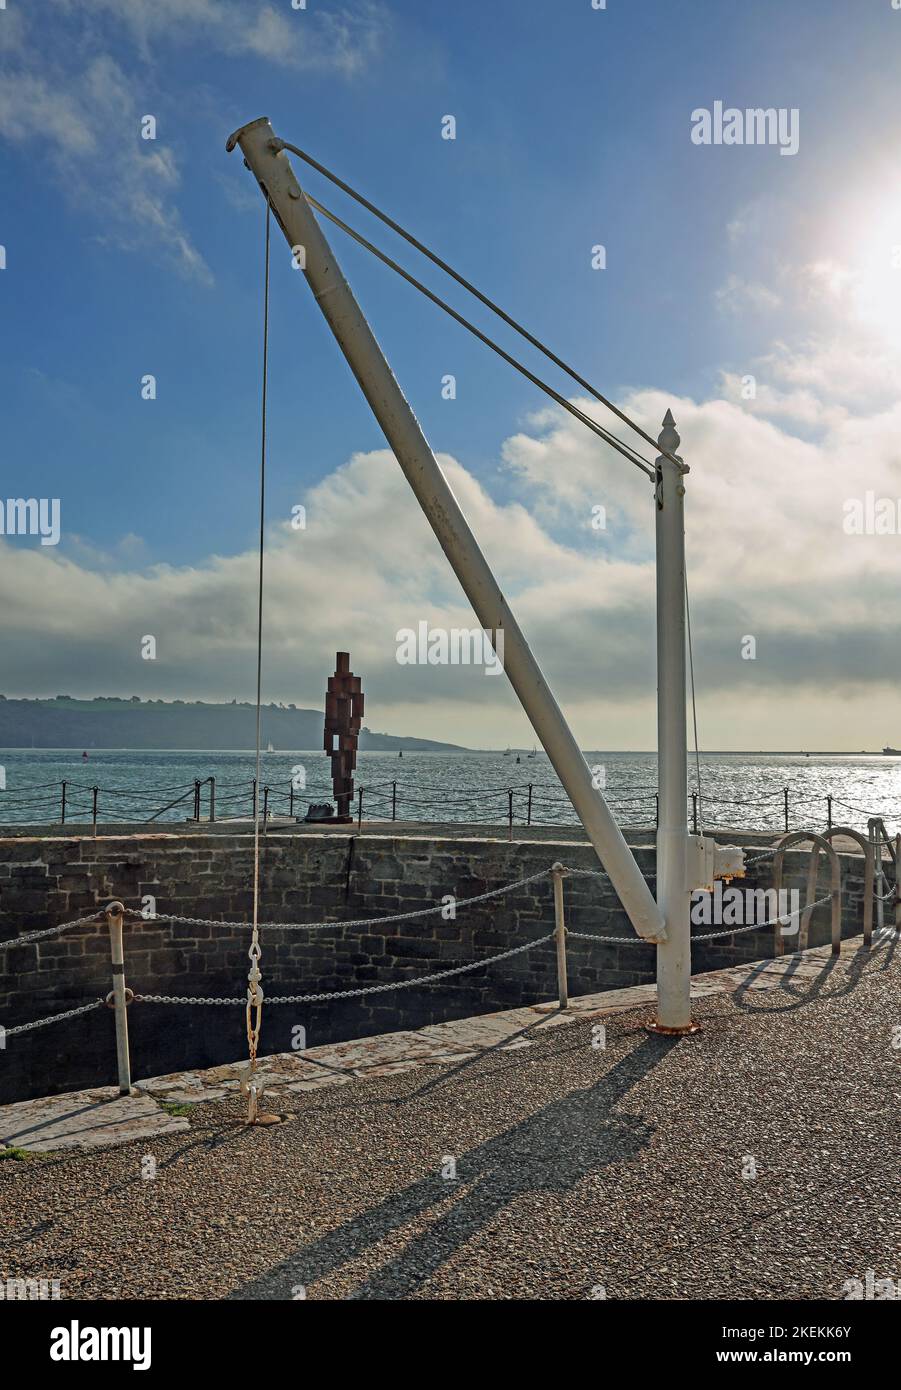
(550,1152)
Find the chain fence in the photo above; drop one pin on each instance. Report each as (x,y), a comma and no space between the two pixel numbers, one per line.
(386,987)
(209,800)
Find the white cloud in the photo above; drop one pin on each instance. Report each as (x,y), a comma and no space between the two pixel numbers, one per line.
(343,41)
(30,105)
(12,31)
(737,296)
(852,370)
(89,126)
(62,91)
(768,556)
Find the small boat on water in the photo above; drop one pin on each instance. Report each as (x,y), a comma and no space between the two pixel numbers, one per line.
(892,752)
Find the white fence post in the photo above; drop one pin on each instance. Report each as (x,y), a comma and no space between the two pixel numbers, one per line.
(115,916)
(559,873)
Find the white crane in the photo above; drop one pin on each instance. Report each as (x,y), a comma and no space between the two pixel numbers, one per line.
(684,862)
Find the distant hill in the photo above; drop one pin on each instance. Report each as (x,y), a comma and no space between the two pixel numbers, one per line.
(111,722)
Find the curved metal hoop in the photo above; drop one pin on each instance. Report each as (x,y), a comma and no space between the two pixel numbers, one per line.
(819,843)
(869,874)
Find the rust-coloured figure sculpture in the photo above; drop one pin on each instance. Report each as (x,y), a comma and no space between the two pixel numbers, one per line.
(343,717)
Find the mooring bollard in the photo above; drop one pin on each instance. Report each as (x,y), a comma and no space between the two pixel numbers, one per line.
(558,873)
(117,997)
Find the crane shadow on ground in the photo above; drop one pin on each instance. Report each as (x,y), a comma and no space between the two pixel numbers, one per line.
(579,1134)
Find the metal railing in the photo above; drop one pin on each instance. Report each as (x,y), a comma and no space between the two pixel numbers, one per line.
(208,800)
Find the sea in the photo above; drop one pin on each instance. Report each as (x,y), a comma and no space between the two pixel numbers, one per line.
(736,790)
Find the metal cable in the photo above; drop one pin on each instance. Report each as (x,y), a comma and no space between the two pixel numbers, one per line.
(184,796)
(615,443)
(254,1001)
(467,285)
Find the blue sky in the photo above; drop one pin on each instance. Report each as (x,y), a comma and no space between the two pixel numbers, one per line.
(127,257)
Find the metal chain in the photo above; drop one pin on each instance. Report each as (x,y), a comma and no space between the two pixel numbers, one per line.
(55,1018)
(254,1000)
(356,993)
(767,854)
(761,926)
(51,931)
(460,903)
(707,936)
(186,999)
(423,980)
(615,940)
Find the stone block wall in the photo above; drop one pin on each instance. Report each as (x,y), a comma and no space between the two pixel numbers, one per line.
(305,878)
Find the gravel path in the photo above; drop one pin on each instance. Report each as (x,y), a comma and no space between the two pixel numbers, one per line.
(580,1171)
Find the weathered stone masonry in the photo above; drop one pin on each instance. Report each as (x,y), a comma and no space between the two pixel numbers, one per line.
(306,878)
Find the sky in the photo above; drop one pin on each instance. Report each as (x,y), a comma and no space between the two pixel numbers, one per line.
(752,288)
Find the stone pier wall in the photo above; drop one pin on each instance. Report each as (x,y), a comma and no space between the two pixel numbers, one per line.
(305,878)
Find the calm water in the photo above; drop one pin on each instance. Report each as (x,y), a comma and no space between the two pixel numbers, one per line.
(738,789)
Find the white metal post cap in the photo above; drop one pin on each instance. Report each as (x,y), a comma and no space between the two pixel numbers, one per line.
(235,138)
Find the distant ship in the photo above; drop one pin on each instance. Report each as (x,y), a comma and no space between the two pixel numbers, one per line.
(892,752)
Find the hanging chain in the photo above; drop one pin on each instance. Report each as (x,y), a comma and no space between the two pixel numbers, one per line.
(254,1016)
(254,1012)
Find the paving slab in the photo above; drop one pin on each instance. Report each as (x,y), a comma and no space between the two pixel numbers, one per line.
(95,1118)
(84,1120)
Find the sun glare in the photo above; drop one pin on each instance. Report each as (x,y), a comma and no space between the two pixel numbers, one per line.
(873,285)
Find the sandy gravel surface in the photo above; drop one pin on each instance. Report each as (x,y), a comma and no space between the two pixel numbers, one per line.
(627,1169)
